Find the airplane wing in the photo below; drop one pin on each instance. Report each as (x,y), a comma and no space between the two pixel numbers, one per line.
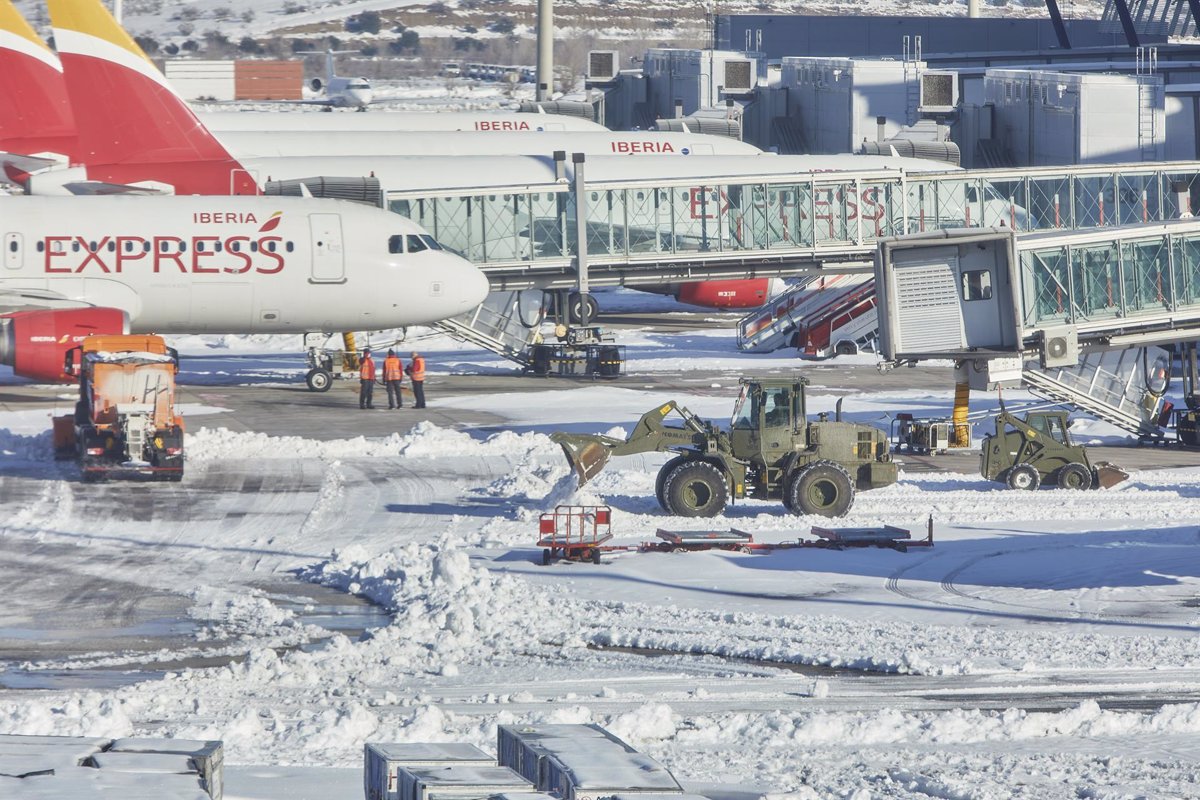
(35,300)
(99,188)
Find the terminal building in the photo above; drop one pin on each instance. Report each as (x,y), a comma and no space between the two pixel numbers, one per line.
(1109,104)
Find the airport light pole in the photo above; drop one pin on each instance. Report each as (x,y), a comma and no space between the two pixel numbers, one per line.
(545,50)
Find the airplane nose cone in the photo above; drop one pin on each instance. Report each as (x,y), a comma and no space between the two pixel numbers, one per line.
(465,286)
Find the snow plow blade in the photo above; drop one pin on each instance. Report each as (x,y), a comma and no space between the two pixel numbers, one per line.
(1108,475)
(587,454)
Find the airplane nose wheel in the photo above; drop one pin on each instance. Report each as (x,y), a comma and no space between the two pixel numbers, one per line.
(318,380)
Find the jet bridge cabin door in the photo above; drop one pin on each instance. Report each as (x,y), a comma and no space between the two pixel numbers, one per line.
(328,254)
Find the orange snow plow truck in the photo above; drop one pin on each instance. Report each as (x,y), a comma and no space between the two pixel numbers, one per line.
(124,422)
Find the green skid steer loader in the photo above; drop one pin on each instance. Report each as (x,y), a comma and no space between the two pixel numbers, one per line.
(1035,451)
(772,451)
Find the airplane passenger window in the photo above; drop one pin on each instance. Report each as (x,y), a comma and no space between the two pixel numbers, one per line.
(415,245)
(429,240)
(41,246)
(75,247)
(199,247)
(235,247)
(145,247)
(12,246)
(183,247)
(253,247)
(289,247)
(217,246)
(112,247)
(396,244)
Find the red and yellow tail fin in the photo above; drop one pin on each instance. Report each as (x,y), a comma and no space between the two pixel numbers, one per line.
(35,110)
(126,113)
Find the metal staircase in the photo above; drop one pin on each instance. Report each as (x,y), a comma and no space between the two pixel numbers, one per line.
(854,321)
(506,323)
(1121,387)
(777,323)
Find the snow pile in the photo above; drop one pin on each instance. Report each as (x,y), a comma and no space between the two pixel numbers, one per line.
(78,714)
(20,447)
(424,440)
(245,615)
(447,611)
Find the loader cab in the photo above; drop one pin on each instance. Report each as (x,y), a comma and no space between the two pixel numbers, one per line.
(1052,424)
(766,418)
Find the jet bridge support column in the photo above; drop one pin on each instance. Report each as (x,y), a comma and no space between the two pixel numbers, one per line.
(545,51)
(581,242)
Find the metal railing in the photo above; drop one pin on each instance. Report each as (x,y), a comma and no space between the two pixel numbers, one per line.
(779,224)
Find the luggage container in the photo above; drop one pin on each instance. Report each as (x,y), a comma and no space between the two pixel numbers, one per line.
(37,755)
(581,761)
(207,757)
(458,781)
(382,762)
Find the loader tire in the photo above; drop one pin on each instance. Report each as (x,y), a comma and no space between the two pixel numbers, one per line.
(661,483)
(1074,476)
(696,489)
(318,380)
(1024,478)
(823,488)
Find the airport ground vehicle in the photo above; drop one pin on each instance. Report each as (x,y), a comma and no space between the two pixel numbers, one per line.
(1025,453)
(772,451)
(125,422)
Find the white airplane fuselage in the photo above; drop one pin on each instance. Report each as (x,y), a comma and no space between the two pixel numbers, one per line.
(233,264)
(481,121)
(283,144)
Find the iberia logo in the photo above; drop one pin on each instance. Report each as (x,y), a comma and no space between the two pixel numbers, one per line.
(272,223)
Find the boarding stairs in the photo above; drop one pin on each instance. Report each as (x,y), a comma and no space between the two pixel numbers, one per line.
(1111,385)
(853,321)
(505,323)
(775,324)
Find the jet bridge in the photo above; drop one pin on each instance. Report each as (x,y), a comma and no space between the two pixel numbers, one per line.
(1076,316)
(674,230)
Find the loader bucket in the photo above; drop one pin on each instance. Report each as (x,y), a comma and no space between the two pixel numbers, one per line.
(1109,475)
(586,454)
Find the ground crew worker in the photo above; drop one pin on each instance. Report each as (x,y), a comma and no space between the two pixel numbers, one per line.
(416,371)
(393,377)
(366,380)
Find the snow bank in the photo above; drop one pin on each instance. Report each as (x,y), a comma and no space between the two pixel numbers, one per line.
(26,447)
(424,440)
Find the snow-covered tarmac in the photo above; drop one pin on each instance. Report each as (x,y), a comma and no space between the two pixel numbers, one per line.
(1046,647)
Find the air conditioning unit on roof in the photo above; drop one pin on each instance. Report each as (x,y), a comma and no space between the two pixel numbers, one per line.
(603,65)
(738,76)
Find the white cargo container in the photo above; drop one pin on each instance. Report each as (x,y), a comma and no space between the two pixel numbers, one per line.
(458,781)
(1046,118)
(382,762)
(837,102)
(578,761)
(203,80)
(207,757)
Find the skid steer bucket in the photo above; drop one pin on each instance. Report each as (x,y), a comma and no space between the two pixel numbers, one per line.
(1109,475)
(587,454)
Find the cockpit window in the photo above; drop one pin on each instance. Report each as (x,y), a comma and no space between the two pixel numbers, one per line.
(396,244)
(432,242)
(360,85)
(415,245)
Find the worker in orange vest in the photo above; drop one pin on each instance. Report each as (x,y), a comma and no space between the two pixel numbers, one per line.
(416,371)
(366,380)
(393,377)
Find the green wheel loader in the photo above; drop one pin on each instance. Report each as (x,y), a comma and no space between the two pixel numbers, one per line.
(772,451)
(1036,451)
